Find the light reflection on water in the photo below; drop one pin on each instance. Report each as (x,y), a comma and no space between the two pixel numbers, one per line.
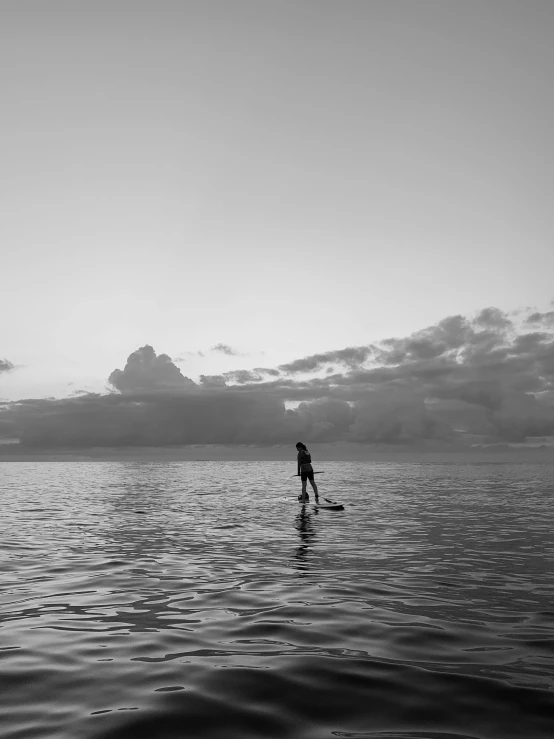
(200,599)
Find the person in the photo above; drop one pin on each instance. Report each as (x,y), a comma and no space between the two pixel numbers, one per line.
(306,472)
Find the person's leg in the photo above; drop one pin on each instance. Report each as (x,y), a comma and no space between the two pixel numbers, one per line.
(304,498)
(314,486)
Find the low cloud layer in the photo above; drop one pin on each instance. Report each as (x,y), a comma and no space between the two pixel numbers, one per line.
(452,382)
(157,419)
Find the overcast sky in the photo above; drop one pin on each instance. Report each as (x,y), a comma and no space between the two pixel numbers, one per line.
(280,178)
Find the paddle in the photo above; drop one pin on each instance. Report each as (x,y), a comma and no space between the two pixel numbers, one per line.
(319,472)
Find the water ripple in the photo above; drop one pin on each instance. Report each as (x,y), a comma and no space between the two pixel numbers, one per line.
(199,599)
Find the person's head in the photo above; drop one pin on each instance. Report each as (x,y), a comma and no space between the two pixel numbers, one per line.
(300,445)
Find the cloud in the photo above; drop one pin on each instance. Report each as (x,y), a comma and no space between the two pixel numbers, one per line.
(518,416)
(217,348)
(267,371)
(483,364)
(326,419)
(462,376)
(213,416)
(186,355)
(145,371)
(225,349)
(493,318)
(245,376)
(213,381)
(392,418)
(6,366)
(352,356)
(546,319)
(240,377)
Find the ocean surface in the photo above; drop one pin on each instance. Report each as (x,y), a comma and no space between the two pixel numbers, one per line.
(199,599)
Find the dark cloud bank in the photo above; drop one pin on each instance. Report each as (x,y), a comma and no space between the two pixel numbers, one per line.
(450,384)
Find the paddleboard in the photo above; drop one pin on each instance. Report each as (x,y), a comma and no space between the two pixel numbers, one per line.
(329,506)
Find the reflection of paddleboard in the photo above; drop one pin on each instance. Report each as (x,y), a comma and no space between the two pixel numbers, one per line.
(329,505)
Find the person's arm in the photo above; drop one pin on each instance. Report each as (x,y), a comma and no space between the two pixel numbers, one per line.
(298,462)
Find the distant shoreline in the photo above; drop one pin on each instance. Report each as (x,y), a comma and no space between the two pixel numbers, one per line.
(338,452)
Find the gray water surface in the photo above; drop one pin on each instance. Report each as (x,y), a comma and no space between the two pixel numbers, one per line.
(199,599)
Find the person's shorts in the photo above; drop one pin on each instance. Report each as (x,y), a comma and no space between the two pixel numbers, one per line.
(306,475)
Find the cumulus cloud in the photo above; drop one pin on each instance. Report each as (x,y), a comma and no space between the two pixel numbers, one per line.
(462,376)
(496,376)
(145,371)
(6,366)
(493,318)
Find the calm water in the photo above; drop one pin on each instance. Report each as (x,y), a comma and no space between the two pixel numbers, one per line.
(196,599)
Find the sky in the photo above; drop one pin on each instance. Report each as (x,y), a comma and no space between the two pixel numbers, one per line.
(246,184)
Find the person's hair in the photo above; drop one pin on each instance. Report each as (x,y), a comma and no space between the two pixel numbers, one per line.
(300,445)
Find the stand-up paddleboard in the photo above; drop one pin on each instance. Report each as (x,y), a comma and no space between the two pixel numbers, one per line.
(329,505)
(333,506)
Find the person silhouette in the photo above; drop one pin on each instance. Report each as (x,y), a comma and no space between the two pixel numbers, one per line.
(306,472)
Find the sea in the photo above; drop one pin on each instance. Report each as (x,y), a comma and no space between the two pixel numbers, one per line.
(164,600)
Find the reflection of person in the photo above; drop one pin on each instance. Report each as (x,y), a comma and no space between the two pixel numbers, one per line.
(307,534)
(305,470)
